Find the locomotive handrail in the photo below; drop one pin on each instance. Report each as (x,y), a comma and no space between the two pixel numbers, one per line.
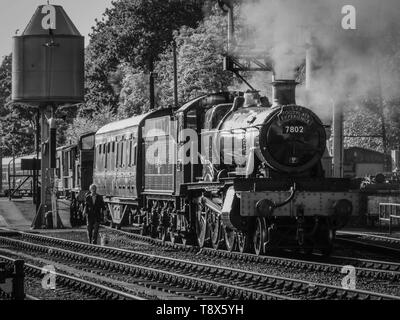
(258,126)
(268,206)
(292,190)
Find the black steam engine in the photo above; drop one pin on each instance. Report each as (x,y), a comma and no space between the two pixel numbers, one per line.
(224,170)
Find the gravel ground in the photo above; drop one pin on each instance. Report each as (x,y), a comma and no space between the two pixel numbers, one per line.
(34,288)
(322,277)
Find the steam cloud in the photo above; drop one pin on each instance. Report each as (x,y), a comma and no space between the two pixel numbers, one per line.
(345,62)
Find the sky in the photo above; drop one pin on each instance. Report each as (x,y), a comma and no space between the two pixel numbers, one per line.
(15,14)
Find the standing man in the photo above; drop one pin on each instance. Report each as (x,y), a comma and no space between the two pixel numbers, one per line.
(94,206)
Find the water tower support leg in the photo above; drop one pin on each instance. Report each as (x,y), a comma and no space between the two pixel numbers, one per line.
(45,194)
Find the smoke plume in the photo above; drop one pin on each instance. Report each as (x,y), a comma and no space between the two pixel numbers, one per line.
(345,62)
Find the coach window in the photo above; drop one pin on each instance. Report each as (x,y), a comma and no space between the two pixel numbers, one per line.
(112,161)
(192,119)
(95,156)
(78,168)
(106,155)
(130,153)
(71,161)
(117,156)
(124,147)
(58,169)
(122,154)
(109,155)
(156,151)
(134,154)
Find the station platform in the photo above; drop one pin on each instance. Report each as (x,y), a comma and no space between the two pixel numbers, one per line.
(18,214)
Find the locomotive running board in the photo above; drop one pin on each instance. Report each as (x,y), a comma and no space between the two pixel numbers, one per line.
(206,186)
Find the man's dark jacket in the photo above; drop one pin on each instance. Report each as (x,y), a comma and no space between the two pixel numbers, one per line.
(93,211)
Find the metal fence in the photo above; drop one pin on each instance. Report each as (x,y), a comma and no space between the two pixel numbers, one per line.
(388,212)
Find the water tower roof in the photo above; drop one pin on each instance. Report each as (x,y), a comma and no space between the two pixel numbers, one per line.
(64,25)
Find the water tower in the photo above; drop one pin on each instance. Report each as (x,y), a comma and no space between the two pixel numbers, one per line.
(47,71)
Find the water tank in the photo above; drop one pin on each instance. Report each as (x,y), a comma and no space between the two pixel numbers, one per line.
(48,59)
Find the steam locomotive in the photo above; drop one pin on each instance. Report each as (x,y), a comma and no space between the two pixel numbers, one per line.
(227,170)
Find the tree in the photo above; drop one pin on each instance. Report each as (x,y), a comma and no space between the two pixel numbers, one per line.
(133,32)
(82,124)
(16,119)
(200,55)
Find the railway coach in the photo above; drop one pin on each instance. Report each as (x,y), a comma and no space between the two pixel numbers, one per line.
(74,174)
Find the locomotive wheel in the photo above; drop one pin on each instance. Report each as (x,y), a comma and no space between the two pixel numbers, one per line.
(259,236)
(328,238)
(188,239)
(230,239)
(214,223)
(164,234)
(173,238)
(244,242)
(184,241)
(201,225)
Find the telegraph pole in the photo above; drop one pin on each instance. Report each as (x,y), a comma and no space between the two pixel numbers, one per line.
(338,139)
(382,115)
(176,102)
(1,163)
(151,84)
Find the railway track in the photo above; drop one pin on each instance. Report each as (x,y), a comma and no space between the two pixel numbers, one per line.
(209,280)
(67,287)
(365,267)
(373,242)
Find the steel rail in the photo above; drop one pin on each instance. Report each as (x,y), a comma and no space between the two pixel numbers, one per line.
(370,235)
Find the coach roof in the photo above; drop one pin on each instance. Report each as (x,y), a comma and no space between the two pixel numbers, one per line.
(126,123)
(130,122)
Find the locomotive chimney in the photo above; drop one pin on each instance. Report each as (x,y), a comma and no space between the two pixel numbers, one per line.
(283,92)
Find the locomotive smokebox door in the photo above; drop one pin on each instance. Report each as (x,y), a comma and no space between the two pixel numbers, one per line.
(48,59)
